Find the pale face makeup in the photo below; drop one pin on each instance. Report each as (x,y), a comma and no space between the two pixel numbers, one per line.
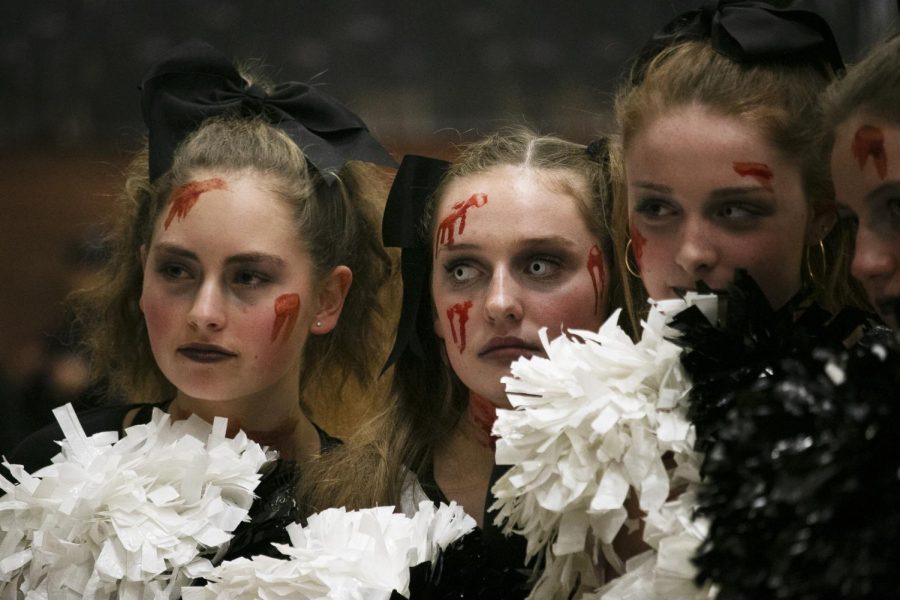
(865,165)
(229,295)
(512,254)
(708,195)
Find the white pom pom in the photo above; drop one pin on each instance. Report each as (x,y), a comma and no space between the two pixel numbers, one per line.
(124,518)
(590,423)
(341,555)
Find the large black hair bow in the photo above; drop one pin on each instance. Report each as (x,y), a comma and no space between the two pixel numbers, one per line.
(748,31)
(195,82)
(417,179)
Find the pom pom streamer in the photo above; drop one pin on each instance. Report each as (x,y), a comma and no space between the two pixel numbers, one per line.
(592,422)
(125,518)
(341,555)
(801,476)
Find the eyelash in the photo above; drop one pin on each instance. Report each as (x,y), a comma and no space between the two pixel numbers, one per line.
(259,279)
(167,270)
(555,265)
(650,208)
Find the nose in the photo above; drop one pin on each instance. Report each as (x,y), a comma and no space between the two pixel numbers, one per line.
(872,257)
(696,254)
(208,310)
(503,302)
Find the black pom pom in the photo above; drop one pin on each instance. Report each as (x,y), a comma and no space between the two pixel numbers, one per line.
(802,468)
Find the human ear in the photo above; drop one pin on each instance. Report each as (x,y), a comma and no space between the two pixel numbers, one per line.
(331,296)
(822,219)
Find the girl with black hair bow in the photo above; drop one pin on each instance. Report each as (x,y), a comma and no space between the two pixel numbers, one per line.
(246,275)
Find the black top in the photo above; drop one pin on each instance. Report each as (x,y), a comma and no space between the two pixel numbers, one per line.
(485,563)
(274,508)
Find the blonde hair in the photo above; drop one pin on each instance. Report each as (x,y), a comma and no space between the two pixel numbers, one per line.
(870,88)
(427,397)
(337,224)
(780,100)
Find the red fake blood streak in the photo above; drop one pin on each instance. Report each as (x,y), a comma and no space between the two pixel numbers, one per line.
(598,274)
(638,241)
(187,195)
(461,310)
(446,229)
(869,141)
(483,413)
(287,307)
(758,171)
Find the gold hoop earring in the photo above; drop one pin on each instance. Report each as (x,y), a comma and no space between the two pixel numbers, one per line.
(824,261)
(633,271)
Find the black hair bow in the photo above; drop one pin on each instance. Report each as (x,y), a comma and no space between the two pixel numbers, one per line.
(417,179)
(195,82)
(747,31)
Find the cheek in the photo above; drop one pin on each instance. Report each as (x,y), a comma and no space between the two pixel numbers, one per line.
(571,308)
(160,313)
(269,337)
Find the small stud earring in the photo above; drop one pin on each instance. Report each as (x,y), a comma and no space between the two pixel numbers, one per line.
(318,323)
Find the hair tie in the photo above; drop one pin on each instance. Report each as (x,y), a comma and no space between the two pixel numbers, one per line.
(598,149)
(747,31)
(195,82)
(417,179)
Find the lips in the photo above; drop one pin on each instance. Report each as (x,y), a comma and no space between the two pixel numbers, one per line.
(508,348)
(205,353)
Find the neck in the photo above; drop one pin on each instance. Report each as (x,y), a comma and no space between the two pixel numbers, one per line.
(281,426)
(480,416)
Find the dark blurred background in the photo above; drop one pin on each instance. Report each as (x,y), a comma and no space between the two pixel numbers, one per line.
(423,75)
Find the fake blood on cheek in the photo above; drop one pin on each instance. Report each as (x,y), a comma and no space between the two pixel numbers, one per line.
(638,242)
(461,311)
(598,274)
(287,308)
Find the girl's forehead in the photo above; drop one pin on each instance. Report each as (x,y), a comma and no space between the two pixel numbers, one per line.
(515,181)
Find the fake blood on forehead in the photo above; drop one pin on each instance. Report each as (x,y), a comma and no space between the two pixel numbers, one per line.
(185,197)
(869,141)
(447,228)
(759,171)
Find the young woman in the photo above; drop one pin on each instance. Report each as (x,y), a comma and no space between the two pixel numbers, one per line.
(508,239)
(723,167)
(862,111)
(246,269)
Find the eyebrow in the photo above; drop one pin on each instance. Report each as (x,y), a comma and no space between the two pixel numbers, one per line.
(728,192)
(549,240)
(244,257)
(656,187)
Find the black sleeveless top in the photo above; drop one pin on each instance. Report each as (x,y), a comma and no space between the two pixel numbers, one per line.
(485,563)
